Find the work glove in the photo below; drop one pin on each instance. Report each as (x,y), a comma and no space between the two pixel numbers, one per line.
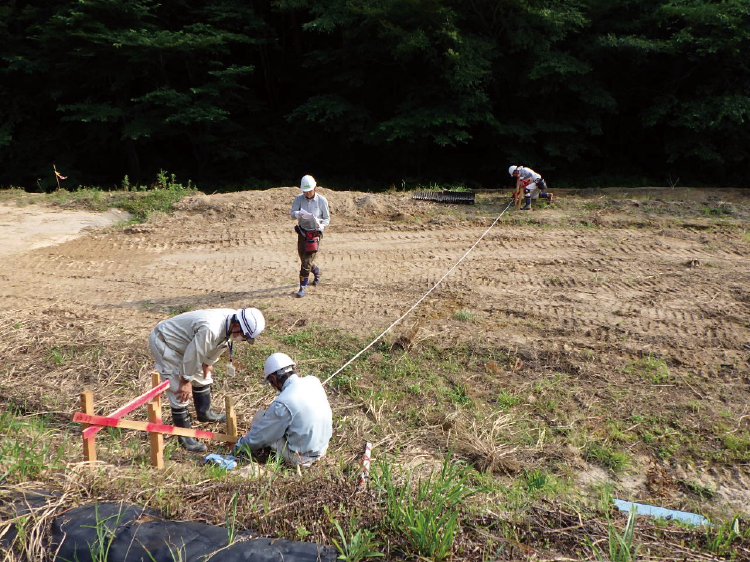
(228,462)
(305,215)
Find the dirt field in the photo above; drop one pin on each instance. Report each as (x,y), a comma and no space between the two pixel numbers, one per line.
(609,275)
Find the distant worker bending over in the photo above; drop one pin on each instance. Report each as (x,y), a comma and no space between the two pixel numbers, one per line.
(532,184)
(311,211)
(298,424)
(185,349)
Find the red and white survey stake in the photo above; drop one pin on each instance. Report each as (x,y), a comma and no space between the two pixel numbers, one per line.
(365,464)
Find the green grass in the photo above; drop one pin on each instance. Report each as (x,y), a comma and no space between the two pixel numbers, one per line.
(356,543)
(651,368)
(27,447)
(63,354)
(607,455)
(621,545)
(140,202)
(738,444)
(458,395)
(464,316)
(505,400)
(724,539)
(425,512)
(719,211)
(105,536)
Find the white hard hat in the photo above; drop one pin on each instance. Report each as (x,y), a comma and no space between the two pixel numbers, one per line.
(512,169)
(276,362)
(308,183)
(251,322)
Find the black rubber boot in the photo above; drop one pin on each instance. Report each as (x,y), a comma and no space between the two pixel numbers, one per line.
(202,400)
(181,418)
(316,273)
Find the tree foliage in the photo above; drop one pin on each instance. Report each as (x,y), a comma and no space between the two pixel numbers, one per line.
(227,91)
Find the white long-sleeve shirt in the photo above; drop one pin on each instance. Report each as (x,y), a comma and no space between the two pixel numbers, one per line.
(317,206)
(199,337)
(525,173)
(300,413)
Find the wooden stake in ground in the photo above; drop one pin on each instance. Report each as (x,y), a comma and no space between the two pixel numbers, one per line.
(58,176)
(89,443)
(156,440)
(231,419)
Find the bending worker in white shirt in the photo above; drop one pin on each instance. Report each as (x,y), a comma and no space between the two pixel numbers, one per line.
(185,349)
(533,185)
(298,423)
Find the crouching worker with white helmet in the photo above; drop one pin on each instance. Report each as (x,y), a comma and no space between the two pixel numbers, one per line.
(532,184)
(298,423)
(185,349)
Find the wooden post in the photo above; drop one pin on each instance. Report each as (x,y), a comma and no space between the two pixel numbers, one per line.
(154,416)
(231,418)
(89,443)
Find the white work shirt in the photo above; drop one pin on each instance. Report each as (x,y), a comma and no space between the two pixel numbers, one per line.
(317,207)
(300,413)
(527,174)
(198,337)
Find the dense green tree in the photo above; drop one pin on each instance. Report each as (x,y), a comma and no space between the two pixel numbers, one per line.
(704,99)
(547,102)
(393,76)
(681,82)
(134,79)
(223,91)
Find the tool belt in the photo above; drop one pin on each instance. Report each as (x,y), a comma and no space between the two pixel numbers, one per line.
(312,238)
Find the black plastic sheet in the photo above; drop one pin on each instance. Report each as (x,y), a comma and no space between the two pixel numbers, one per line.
(127,533)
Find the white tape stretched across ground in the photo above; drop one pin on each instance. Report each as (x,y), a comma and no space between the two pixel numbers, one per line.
(405,314)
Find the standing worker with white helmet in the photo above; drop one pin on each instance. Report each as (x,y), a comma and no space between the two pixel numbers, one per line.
(185,349)
(298,424)
(533,185)
(311,211)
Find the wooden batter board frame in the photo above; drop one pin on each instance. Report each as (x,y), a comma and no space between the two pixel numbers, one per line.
(93,423)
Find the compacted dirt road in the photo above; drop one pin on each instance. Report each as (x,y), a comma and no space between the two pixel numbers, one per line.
(619,273)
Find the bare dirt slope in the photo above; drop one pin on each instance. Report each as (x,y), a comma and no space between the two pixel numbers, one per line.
(623,276)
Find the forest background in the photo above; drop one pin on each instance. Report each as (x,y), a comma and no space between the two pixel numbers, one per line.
(374,93)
